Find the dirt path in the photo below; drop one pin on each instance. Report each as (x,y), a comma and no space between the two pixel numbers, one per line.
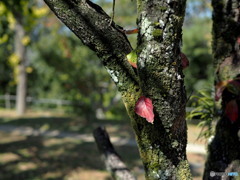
(29,131)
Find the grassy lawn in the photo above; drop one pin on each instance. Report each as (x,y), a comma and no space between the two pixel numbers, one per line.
(47,158)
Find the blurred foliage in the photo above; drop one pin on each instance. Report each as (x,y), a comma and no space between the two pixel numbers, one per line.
(197,47)
(28,13)
(6,39)
(125,15)
(200,74)
(68,70)
(203,110)
(197,9)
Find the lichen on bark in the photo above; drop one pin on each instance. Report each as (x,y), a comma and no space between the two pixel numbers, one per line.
(161,79)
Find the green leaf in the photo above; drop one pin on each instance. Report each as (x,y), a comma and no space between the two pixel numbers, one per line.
(132,58)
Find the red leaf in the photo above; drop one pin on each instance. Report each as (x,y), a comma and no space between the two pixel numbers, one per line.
(238,40)
(231,110)
(133,31)
(133,64)
(184,60)
(144,108)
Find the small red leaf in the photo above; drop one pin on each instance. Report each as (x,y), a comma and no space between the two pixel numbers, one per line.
(133,31)
(231,110)
(144,108)
(184,60)
(238,40)
(133,64)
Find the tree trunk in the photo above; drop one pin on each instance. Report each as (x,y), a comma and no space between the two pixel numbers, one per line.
(159,76)
(20,51)
(224,150)
(162,145)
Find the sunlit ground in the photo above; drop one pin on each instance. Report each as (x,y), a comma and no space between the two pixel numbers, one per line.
(27,157)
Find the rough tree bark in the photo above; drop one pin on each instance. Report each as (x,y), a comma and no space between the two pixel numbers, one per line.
(20,51)
(224,150)
(159,76)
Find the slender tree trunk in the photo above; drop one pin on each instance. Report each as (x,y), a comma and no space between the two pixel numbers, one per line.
(224,150)
(20,51)
(162,145)
(159,76)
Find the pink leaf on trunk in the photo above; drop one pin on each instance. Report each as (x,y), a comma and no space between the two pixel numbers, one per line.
(238,40)
(144,108)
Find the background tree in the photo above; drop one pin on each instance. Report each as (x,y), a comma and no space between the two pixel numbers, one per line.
(224,154)
(19,20)
(159,75)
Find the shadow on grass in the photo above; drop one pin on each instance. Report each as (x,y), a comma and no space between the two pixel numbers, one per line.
(68,124)
(51,158)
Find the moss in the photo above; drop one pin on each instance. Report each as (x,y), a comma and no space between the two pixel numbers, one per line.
(156,24)
(175,144)
(163,8)
(157,167)
(139,6)
(183,171)
(157,32)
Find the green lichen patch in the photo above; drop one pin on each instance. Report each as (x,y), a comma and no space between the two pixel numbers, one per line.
(183,171)
(157,32)
(163,8)
(175,144)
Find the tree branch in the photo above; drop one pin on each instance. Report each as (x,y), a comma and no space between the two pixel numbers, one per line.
(112,160)
(92,25)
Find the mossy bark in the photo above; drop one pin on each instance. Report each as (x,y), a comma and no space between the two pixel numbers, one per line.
(162,145)
(159,76)
(224,150)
